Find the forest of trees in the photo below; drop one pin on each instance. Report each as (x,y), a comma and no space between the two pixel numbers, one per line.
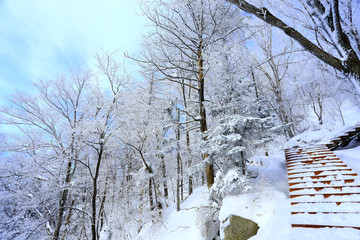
(219,82)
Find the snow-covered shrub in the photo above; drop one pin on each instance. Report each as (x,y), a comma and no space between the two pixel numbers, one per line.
(208,221)
(230,183)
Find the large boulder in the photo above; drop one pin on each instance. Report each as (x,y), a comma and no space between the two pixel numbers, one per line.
(240,228)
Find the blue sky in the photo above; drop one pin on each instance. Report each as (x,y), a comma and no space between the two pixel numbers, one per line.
(40,39)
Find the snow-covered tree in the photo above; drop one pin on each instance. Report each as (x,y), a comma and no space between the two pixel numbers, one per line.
(244,120)
(184,31)
(64,133)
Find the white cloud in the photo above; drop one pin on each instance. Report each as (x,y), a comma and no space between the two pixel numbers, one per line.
(42,38)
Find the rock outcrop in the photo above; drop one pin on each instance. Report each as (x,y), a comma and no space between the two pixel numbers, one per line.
(240,228)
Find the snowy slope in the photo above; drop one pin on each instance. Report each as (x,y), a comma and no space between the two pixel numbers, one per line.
(351,157)
(185,224)
(268,206)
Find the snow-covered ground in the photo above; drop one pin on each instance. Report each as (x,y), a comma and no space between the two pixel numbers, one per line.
(185,224)
(351,157)
(268,206)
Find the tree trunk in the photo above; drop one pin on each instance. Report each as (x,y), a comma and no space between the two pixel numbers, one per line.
(101,216)
(181,180)
(62,203)
(59,220)
(190,179)
(203,125)
(209,174)
(94,232)
(243,164)
(163,166)
(178,164)
(151,199)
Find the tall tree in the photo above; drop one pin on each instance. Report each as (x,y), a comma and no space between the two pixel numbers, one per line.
(103,122)
(51,121)
(244,119)
(66,130)
(184,31)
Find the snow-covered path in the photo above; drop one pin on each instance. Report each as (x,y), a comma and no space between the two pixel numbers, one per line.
(324,194)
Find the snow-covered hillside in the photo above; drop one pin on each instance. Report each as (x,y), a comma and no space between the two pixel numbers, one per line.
(268,205)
